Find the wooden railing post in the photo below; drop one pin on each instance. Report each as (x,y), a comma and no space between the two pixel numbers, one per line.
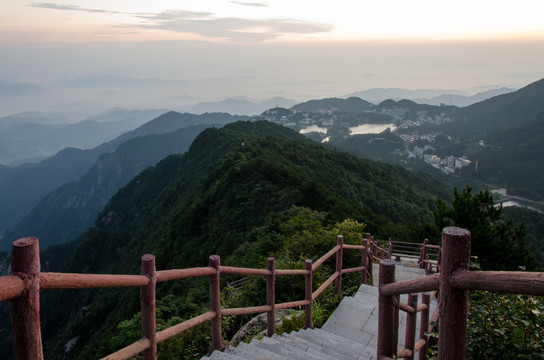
(308,295)
(423,255)
(389,249)
(424,324)
(411,320)
(453,302)
(370,267)
(339,258)
(364,261)
(387,313)
(215,305)
(271,298)
(147,300)
(25,310)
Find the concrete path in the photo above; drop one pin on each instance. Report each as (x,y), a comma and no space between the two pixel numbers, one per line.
(351,332)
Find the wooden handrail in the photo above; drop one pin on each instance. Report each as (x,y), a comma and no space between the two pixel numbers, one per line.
(243,271)
(176,274)
(246,310)
(454,281)
(325,257)
(13,286)
(427,283)
(326,284)
(130,350)
(54,281)
(511,282)
(185,325)
(353,247)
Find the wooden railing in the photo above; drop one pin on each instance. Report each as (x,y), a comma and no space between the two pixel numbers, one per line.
(452,283)
(22,289)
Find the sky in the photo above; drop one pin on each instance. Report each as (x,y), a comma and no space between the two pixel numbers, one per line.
(87,53)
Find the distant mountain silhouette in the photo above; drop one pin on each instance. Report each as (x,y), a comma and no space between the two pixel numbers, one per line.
(429,96)
(107,81)
(21,88)
(72,208)
(240,106)
(24,186)
(352,104)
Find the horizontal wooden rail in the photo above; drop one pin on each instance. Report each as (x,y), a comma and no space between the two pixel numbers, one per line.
(406,308)
(405,243)
(419,344)
(246,310)
(130,351)
(176,274)
(352,270)
(404,353)
(50,281)
(12,286)
(329,281)
(353,247)
(423,284)
(325,257)
(243,271)
(187,324)
(291,272)
(291,304)
(512,282)
(432,246)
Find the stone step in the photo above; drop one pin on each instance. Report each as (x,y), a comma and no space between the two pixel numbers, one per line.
(350,333)
(334,344)
(291,348)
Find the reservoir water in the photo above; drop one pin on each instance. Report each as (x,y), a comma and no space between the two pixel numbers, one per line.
(355,130)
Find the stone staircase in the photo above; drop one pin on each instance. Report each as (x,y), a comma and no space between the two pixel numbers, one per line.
(351,332)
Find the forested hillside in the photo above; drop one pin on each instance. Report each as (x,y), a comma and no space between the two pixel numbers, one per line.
(71,209)
(242,192)
(23,187)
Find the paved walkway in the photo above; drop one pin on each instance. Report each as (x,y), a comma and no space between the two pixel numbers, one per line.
(351,332)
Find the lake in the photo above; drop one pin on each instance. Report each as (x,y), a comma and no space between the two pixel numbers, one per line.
(355,130)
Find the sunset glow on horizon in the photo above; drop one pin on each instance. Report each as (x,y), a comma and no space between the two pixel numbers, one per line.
(253,22)
(210,50)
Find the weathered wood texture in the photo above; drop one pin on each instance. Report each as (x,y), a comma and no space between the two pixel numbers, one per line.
(49,281)
(166,275)
(411,319)
(148,306)
(325,285)
(308,290)
(129,351)
(12,286)
(365,261)
(427,283)
(339,258)
(23,286)
(215,305)
(521,282)
(421,345)
(187,324)
(453,302)
(387,325)
(25,309)
(271,297)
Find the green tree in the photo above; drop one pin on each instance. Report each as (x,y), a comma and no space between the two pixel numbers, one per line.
(495,241)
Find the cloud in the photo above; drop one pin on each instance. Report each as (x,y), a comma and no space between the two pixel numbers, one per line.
(205,24)
(249,4)
(69,7)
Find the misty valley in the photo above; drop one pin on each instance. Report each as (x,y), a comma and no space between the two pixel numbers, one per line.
(100,192)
